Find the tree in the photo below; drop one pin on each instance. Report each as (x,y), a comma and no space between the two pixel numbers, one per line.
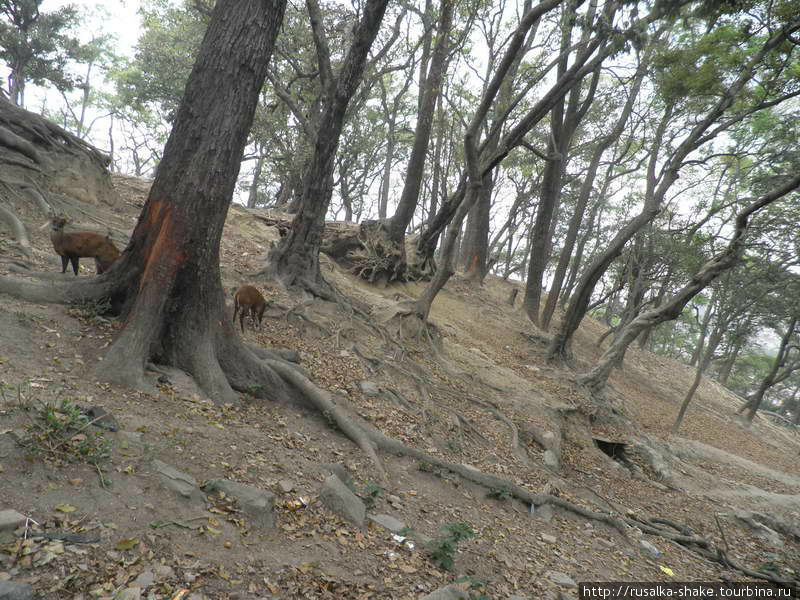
(167,283)
(720,115)
(36,46)
(595,380)
(782,368)
(295,261)
(430,91)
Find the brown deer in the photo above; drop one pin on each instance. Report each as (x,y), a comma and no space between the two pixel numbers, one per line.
(71,247)
(248,299)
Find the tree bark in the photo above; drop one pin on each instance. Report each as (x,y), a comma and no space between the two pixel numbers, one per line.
(587,186)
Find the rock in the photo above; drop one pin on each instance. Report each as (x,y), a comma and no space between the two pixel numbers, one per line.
(368,388)
(10,590)
(10,520)
(285,485)
(131,593)
(387,521)
(517,597)
(164,572)
(338,498)
(561,579)
(550,539)
(550,460)
(341,472)
(100,417)
(256,503)
(650,548)
(543,512)
(392,499)
(145,579)
(182,483)
(450,592)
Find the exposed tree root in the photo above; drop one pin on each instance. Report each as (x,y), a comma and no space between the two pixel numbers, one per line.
(323,401)
(17,228)
(63,290)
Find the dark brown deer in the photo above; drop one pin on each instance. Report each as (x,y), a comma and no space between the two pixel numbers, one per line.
(71,247)
(248,299)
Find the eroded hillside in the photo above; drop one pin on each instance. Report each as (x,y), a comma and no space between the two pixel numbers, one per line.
(473,392)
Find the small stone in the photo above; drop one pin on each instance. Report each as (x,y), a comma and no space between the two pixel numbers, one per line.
(131,593)
(338,498)
(650,548)
(543,512)
(182,483)
(450,592)
(387,521)
(550,459)
(286,486)
(164,572)
(550,539)
(10,520)
(561,579)
(392,499)
(10,590)
(368,388)
(256,503)
(145,579)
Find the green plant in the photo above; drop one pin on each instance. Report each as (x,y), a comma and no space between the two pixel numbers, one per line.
(90,309)
(425,466)
(60,432)
(501,494)
(370,494)
(476,585)
(442,550)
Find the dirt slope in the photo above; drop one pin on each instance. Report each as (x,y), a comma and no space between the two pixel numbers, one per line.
(463,403)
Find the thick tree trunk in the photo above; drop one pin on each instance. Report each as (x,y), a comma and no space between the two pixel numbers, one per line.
(168,279)
(476,235)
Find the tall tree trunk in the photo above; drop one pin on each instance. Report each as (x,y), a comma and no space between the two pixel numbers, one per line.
(727,365)
(252,196)
(707,353)
(416,162)
(587,186)
(564,121)
(772,377)
(296,260)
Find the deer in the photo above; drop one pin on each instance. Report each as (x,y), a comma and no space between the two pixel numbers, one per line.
(71,247)
(248,299)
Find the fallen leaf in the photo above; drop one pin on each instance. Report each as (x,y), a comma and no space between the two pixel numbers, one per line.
(127,544)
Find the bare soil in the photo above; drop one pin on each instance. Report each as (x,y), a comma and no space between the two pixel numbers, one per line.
(445,401)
